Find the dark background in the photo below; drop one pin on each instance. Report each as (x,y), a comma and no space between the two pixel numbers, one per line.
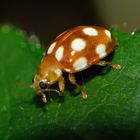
(48,18)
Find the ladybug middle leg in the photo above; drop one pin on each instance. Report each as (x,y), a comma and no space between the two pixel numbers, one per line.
(104,63)
(61,84)
(73,81)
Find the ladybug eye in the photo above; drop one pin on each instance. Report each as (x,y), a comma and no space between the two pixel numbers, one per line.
(42,85)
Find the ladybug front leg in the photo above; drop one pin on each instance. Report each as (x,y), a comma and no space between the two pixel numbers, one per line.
(73,81)
(104,63)
(61,84)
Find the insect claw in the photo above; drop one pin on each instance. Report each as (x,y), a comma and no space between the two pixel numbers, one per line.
(84,95)
(44,98)
(59,93)
(116,66)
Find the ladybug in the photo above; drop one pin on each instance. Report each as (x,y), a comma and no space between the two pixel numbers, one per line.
(73,51)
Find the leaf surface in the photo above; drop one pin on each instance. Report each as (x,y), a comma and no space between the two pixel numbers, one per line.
(111,111)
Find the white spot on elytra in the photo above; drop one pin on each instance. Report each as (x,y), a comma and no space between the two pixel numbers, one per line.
(59,53)
(51,48)
(58,72)
(101,50)
(80,63)
(90,31)
(78,44)
(108,33)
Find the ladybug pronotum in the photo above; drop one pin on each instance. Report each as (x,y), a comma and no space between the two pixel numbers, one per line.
(73,51)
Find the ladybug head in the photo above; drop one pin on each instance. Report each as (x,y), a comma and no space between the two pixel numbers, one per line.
(49,73)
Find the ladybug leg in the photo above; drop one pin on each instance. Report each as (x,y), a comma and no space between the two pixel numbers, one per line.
(73,81)
(44,98)
(61,84)
(104,63)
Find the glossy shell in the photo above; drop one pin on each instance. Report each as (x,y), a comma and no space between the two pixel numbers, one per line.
(79,48)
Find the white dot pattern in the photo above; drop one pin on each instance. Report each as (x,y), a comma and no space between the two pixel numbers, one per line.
(78,44)
(59,53)
(101,50)
(80,63)
(51,48)
(108,33)
(90,31)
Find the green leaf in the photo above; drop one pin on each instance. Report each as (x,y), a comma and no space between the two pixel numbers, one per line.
(112,110)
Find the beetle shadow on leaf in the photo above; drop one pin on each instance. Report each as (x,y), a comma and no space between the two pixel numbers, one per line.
(85,76)
(94,71)
(37,100)
(89,74)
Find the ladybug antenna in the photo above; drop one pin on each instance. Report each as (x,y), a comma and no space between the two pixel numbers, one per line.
(22,84)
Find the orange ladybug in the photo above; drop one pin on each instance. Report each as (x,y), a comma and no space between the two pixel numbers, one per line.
(73,51)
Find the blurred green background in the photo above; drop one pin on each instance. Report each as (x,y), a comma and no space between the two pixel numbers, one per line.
(48,18)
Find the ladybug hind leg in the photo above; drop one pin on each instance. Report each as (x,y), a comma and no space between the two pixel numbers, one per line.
(73,81)
(104,63)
